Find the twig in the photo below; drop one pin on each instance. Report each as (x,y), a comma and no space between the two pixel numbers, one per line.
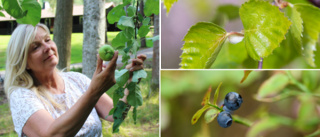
(260,63)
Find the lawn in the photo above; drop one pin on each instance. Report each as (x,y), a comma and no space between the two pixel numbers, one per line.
(147,116)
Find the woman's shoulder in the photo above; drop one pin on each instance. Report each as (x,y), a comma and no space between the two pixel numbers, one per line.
(76,77)
(21,91)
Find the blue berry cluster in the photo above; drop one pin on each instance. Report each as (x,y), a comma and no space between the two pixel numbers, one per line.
(232,102)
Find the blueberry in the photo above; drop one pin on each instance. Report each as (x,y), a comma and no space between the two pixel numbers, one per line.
(224,119)
(233,101)
(226,109)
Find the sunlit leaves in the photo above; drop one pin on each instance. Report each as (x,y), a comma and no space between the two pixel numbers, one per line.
(216,94)
(126,22)
(296,28)
(151,7)
(198,114)
(202,45)
(168,4)
(265,27)
(311,24)
(206,97)
(122,77)
(273,86)
(210,115)
(13,7)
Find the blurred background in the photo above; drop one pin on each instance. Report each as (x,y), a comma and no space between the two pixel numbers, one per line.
(186,13)
(183,91)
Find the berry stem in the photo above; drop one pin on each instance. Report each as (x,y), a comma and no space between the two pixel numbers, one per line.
(242,120)
(220,109)
(235,33)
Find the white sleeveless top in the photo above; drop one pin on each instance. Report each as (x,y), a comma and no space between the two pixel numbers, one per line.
(24,102)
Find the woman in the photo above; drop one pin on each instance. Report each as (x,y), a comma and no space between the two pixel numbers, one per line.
(46,102)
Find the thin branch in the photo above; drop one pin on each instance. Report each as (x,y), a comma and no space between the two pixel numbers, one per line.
(260,63)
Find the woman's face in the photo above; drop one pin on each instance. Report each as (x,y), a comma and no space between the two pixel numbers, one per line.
(42,54)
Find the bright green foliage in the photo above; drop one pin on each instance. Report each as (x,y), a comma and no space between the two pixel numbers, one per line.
(198,114)
(262,126)
(232,11)
(264,27)
(273,86)
(151,7)
(134,98)
(296,28)
(311,24)
(308,118)
(126,22)
(168,4)
(206,97)
(202,45)
(120,40)
(138,74)
(210,115)
(13,7)
(115,14)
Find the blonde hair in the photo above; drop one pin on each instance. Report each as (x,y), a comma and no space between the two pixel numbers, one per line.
(16,75)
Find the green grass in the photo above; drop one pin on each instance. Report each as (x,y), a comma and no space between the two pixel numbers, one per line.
(147,116)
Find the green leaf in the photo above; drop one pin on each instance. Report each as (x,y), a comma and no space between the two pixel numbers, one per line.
(151,7)
(232,11)
(131,11)
(126,2)
(296,27)
(115,14)
(120,40)
(210,115)
(117,94)
(198,114)
(273,86)
(14,8)
(311,24)
(135,47)
(138,74)
(122,77)
(265,27)
(206,97)
(168,4)
(310,79)
(33,9)
(146,21)
(143,31)
(220,19)
(246,74)
(134,98)
(117,116)
(155,38)
(202,45)
(216,94)
(2,15)
(308,119)
(126,22)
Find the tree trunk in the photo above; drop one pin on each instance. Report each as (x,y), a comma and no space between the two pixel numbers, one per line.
(62,32)
(142,40)
(155,62)
(94,27)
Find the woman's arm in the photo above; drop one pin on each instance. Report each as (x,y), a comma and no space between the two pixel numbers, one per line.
(41,122)
(105,103)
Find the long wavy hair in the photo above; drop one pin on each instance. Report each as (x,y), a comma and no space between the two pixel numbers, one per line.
(16,75)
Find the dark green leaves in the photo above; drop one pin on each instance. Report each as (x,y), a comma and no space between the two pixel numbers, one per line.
(202,45)
(138,74)
(264,27)
(134,98)
(126,22)
(151,7)
(122,77)
(25,11)
(117,116)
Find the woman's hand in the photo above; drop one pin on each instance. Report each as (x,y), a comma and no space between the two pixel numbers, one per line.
(103,79)
(136,64)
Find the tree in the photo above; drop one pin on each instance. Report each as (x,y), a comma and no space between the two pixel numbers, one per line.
(94,26)
(141,11)
(62,32)
(155,62)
